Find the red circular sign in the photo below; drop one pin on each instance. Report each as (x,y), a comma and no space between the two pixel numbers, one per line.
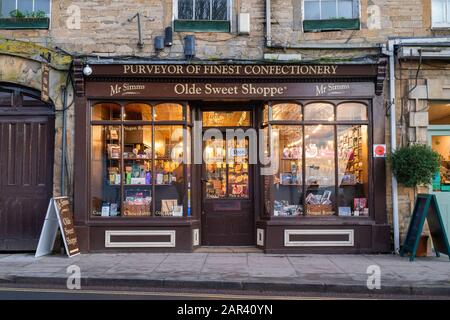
(380,151)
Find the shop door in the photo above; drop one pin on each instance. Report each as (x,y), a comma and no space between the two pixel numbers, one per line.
(440,142)
(26,172)
(227,189)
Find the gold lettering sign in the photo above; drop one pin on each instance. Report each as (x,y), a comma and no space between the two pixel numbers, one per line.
(230,70)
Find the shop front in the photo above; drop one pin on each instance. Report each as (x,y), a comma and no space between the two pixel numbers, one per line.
(172,157)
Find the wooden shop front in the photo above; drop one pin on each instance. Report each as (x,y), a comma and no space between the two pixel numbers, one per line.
(172,157)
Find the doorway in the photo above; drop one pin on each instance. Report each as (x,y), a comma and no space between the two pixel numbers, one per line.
(227,179)
(26,167)
(439,140)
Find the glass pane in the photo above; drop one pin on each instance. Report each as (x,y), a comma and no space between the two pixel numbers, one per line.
(216,169)
(287,111)
(438,11)
(29,101)
(219,10)
(352,111)
(320,170)
(226,119)
(319,111)
(441,181)
(202,9)
(137,173)
(169,175)
(266,113)
(312,10)
(238,168)
(25,6)
(42,5)
(288,181)
(6,99)
(328,9)
(185,9)
(106,171)
(353,170)
(138,111)
(6,7)
(345,9)
(439,113)
(106,111)
(169,112)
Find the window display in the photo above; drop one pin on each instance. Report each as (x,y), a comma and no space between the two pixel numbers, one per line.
(288,200)
(137,167)
(353,172)
(441,145)
(321,165)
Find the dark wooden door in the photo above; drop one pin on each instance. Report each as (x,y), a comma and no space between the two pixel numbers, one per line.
(26,174)
(227,191)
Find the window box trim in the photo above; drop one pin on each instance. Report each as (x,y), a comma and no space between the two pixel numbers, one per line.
(24,23)
(331,24)
(202,25)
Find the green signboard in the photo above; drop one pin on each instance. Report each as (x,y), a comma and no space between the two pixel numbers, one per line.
(426,207)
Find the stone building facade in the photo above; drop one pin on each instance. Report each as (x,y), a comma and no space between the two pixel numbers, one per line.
(107,29)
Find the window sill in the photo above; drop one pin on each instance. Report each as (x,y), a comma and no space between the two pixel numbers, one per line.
(24,23)
(330,25)
(440,27)
(202,25)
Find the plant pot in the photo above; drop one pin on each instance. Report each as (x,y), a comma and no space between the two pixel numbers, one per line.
(24,23)
(422,248)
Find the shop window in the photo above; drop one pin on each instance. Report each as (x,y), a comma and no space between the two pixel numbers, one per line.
(440,12)
(202,15)
(319,170)
(352,111)
(106,111)
(226,119)
(441,180)
(6,98)
(318,166)
(439,113)
(169,112)
(319,112)
(24,14)
(137,167)
(353,173)
(138,111)
(287,111)
(328,15)
(288,193)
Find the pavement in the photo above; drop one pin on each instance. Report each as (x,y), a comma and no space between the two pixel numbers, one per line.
(240,272)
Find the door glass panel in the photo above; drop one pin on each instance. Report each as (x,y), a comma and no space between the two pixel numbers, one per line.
(320,170)
(441,181)
(216,169)
(238,168)
(226,119)
(106,171)
(288,144)
(353,170)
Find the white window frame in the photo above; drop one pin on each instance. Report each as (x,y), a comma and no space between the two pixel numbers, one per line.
(34,3)
(441,25)
(229,11)
(320,9)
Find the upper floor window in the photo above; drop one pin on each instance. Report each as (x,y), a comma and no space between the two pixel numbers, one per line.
(440,13)
(202,15)
(24,14)
(323,15)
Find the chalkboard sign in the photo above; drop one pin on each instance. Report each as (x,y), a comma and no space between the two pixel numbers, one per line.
(59,215)
(426,207)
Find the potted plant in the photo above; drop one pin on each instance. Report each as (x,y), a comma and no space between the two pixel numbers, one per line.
(29,20)
(415,165)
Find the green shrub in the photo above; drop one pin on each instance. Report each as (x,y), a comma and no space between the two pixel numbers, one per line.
(415,165)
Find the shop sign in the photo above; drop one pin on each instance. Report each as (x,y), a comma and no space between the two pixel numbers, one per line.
(228,90)
(379,151)
(59,216)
